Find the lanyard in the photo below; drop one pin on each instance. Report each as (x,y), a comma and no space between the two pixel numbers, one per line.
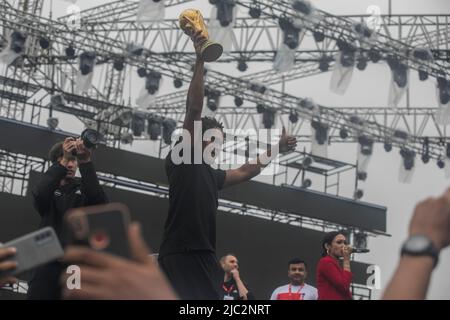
(228,291)
(301,287)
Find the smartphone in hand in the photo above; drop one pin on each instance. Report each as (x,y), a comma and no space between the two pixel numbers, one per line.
(33,250)
(101,227)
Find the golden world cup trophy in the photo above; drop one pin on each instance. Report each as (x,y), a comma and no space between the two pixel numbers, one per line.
(191,21)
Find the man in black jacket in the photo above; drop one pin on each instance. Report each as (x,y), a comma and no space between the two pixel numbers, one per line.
(58,191)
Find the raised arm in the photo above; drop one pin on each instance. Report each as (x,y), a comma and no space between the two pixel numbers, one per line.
(42,192)
(340,279)
(196,93)
(431,219)
(89,180)
(250,170)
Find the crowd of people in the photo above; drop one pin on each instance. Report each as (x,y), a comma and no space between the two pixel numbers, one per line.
(187,266)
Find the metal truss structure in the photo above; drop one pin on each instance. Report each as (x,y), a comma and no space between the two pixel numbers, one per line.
(19,166)
(342,28)
(14,171)
(109,48)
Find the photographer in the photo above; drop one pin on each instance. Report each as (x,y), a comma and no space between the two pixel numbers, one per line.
(58,191)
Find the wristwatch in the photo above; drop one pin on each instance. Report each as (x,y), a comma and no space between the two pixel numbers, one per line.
(420,245)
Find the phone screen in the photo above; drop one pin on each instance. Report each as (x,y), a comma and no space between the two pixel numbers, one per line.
(102,228)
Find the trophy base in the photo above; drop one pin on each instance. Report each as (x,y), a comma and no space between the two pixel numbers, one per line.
(211,51)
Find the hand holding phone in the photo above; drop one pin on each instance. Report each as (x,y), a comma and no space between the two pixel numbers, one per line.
(102,228)
(33,250)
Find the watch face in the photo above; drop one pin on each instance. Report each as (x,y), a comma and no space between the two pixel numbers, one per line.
(417,243)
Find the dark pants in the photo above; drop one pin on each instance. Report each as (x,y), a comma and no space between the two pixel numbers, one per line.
(44,284)
(195,275)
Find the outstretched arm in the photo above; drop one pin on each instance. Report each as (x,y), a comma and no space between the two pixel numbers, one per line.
(251,170)
(431,218)
(196,93)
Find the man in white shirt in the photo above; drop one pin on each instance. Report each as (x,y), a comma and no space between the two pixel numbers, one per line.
(297,289)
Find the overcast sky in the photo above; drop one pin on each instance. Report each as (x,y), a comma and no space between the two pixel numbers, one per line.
(368,88)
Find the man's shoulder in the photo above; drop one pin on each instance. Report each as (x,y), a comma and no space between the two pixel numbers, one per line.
(310,287)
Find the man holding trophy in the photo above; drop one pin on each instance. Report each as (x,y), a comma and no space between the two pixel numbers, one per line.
(187,252)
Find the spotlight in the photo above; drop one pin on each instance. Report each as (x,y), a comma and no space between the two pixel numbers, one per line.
(362,176)
(154,127)
(343,133)
(57,101)
(423,74)
(87,61)
(242,65)
(366,144)
(426,150)
(440,163)
(306,183)
(400,134)
(52,123)
(44,43)
(347,53)
(260,108)
(152,82)
(444,90)
(135,49)
(362,63)
(307,162)
(142,72)
(321,132)
(422,54)
(293,116)
(290,33)
(138,124)
(399,71)
(324,65)
(119,65)
(360,240)
(255,11)
(374,55)
(319,36)
(387,147)
(212,101)
(18,40)
(268,118)
(425,158)
(362,29)
(238,101)
(258,88)
(356,120)
(307,103)
(177,83)
(359,194)
(70,52)
(408,158)
(225,11)
(302,6)
(168,126)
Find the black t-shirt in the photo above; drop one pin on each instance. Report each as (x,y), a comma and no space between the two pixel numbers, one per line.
(230,291)
(193,201)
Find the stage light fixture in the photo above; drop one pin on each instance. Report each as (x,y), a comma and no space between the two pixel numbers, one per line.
(238,101)
(152,82)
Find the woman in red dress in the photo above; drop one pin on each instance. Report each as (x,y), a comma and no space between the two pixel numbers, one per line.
(333,280)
